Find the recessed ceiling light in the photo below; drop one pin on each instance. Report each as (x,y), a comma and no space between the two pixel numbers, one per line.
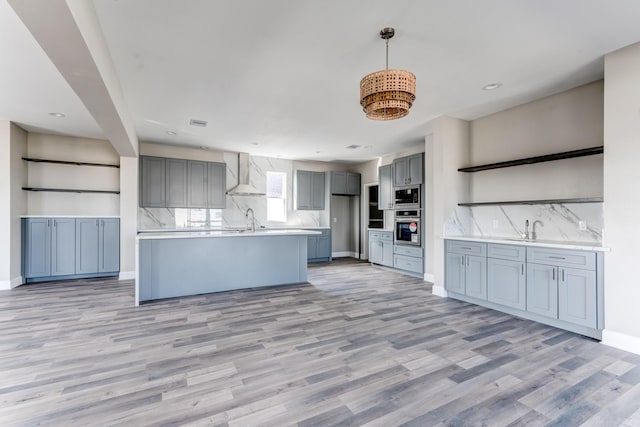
(202,147)
(255,143)
(196,122)
(353,146)
(170,132)
(491,86)
(318,152)
(57,114)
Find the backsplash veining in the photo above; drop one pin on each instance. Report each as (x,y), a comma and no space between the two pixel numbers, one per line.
(234,214)
(558,222)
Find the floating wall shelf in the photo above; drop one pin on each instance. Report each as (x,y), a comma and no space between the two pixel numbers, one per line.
(536,202)
(64,162)
(67,190)
(538,159)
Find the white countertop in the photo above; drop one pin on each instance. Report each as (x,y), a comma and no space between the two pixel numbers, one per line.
(193,230)
(582,246)
(69,216)
(225,233)
(382,230)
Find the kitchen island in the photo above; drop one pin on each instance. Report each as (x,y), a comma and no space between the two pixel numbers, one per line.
(174,264)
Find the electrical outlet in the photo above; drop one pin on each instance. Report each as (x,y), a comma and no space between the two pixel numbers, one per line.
(335,220)
(495,223)
(582,225)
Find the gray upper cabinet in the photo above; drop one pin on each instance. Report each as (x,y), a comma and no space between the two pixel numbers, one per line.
(217,185)
(176,183)
(109,245)
(37,247)
(407,170)
(345,183)
(179,183)
(385,187)
(310,190)
(152,182)
(196,184)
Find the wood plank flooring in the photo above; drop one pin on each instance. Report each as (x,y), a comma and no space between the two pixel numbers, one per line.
(357,345)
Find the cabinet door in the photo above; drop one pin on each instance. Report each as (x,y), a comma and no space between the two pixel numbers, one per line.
(317,191)
(385,187)
(63,246)
(476,276)
(400,172)
(375,251)
(312,247)
(176,183)
(338,183)
(216,185)
(506,283)
(353,184)
(387,253)
(414,174)
(454,279)
(324,247)
(87,236)
(577,296)
(152,182)
(37,249)
(542,290)
(197,184)
(109,245)
(303,190)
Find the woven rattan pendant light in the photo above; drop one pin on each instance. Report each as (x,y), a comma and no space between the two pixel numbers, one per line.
(387,94)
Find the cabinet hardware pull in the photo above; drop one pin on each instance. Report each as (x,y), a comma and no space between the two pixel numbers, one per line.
(54,222)
(563,274)
(467,261)
(48,223)
(557,257)
(465,247)
(97,222)
(522,269)
(553,275)
(462,259)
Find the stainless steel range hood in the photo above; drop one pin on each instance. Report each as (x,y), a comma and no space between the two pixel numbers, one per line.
(244,188)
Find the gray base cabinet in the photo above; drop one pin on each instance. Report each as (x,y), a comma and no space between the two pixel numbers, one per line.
(466,269)
(381,248)
(408,258)
(319,246)
(559,287)
(58,248)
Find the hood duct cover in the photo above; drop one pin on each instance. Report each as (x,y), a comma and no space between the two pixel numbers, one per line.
(244,188)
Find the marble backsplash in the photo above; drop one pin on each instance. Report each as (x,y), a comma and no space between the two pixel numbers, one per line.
(233,216)
(559,222)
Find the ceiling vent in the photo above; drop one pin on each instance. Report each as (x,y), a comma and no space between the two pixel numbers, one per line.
(201,123)
(353,147)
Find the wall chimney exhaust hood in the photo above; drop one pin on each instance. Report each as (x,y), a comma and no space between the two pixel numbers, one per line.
(244,188)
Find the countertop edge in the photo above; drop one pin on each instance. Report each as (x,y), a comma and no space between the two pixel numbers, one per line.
(581,246)
(224,234)
(69,216)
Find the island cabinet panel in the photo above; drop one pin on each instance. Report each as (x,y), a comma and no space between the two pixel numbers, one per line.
(217,185)
(37,247)
(197,184)
(87,237)
(506,282)
(577,297)
(176,183)
(109,245)
(152,182)
(385,187)
(542,290)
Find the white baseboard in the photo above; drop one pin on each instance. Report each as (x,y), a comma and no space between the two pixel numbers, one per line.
(428,277)
(343,254)
(438,291)
(10,284)
(127,275)
(622,341)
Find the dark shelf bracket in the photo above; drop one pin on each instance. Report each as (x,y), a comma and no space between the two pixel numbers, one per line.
(536,202)
(67,190)
(538,159)
(64,162)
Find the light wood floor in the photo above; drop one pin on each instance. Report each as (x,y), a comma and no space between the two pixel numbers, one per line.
(358,345)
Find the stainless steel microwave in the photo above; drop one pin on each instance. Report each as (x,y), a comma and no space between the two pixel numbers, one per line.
(407,197)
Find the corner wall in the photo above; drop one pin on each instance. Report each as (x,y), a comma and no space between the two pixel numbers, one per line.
(622,202)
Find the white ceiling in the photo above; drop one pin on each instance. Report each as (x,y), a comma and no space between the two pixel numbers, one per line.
(284,74)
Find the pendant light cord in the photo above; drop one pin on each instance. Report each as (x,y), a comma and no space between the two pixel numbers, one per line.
(386,42)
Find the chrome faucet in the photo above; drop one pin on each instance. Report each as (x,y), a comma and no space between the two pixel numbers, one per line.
(253,220)
(525,236)
(534,235)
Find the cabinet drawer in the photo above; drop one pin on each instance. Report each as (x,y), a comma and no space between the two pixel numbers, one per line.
(407,251)
(508,252)
(408,263)
(387,236)
(468,248)
(562,258)
(375,235)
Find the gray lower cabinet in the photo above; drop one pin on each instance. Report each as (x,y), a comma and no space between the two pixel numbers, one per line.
(542,290)
(385,187)
(577,297)
(476,276)
(310,190)
(70,247)
(345,183)
(408,258)
(175,183)
(466,268)
(381,248)
(319,246)
(506,275)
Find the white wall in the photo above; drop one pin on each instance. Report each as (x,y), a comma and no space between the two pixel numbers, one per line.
(622,200)
(567,121)
(69,148)
(128,215)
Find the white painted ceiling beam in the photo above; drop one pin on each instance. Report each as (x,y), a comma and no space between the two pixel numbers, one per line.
(70,35)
